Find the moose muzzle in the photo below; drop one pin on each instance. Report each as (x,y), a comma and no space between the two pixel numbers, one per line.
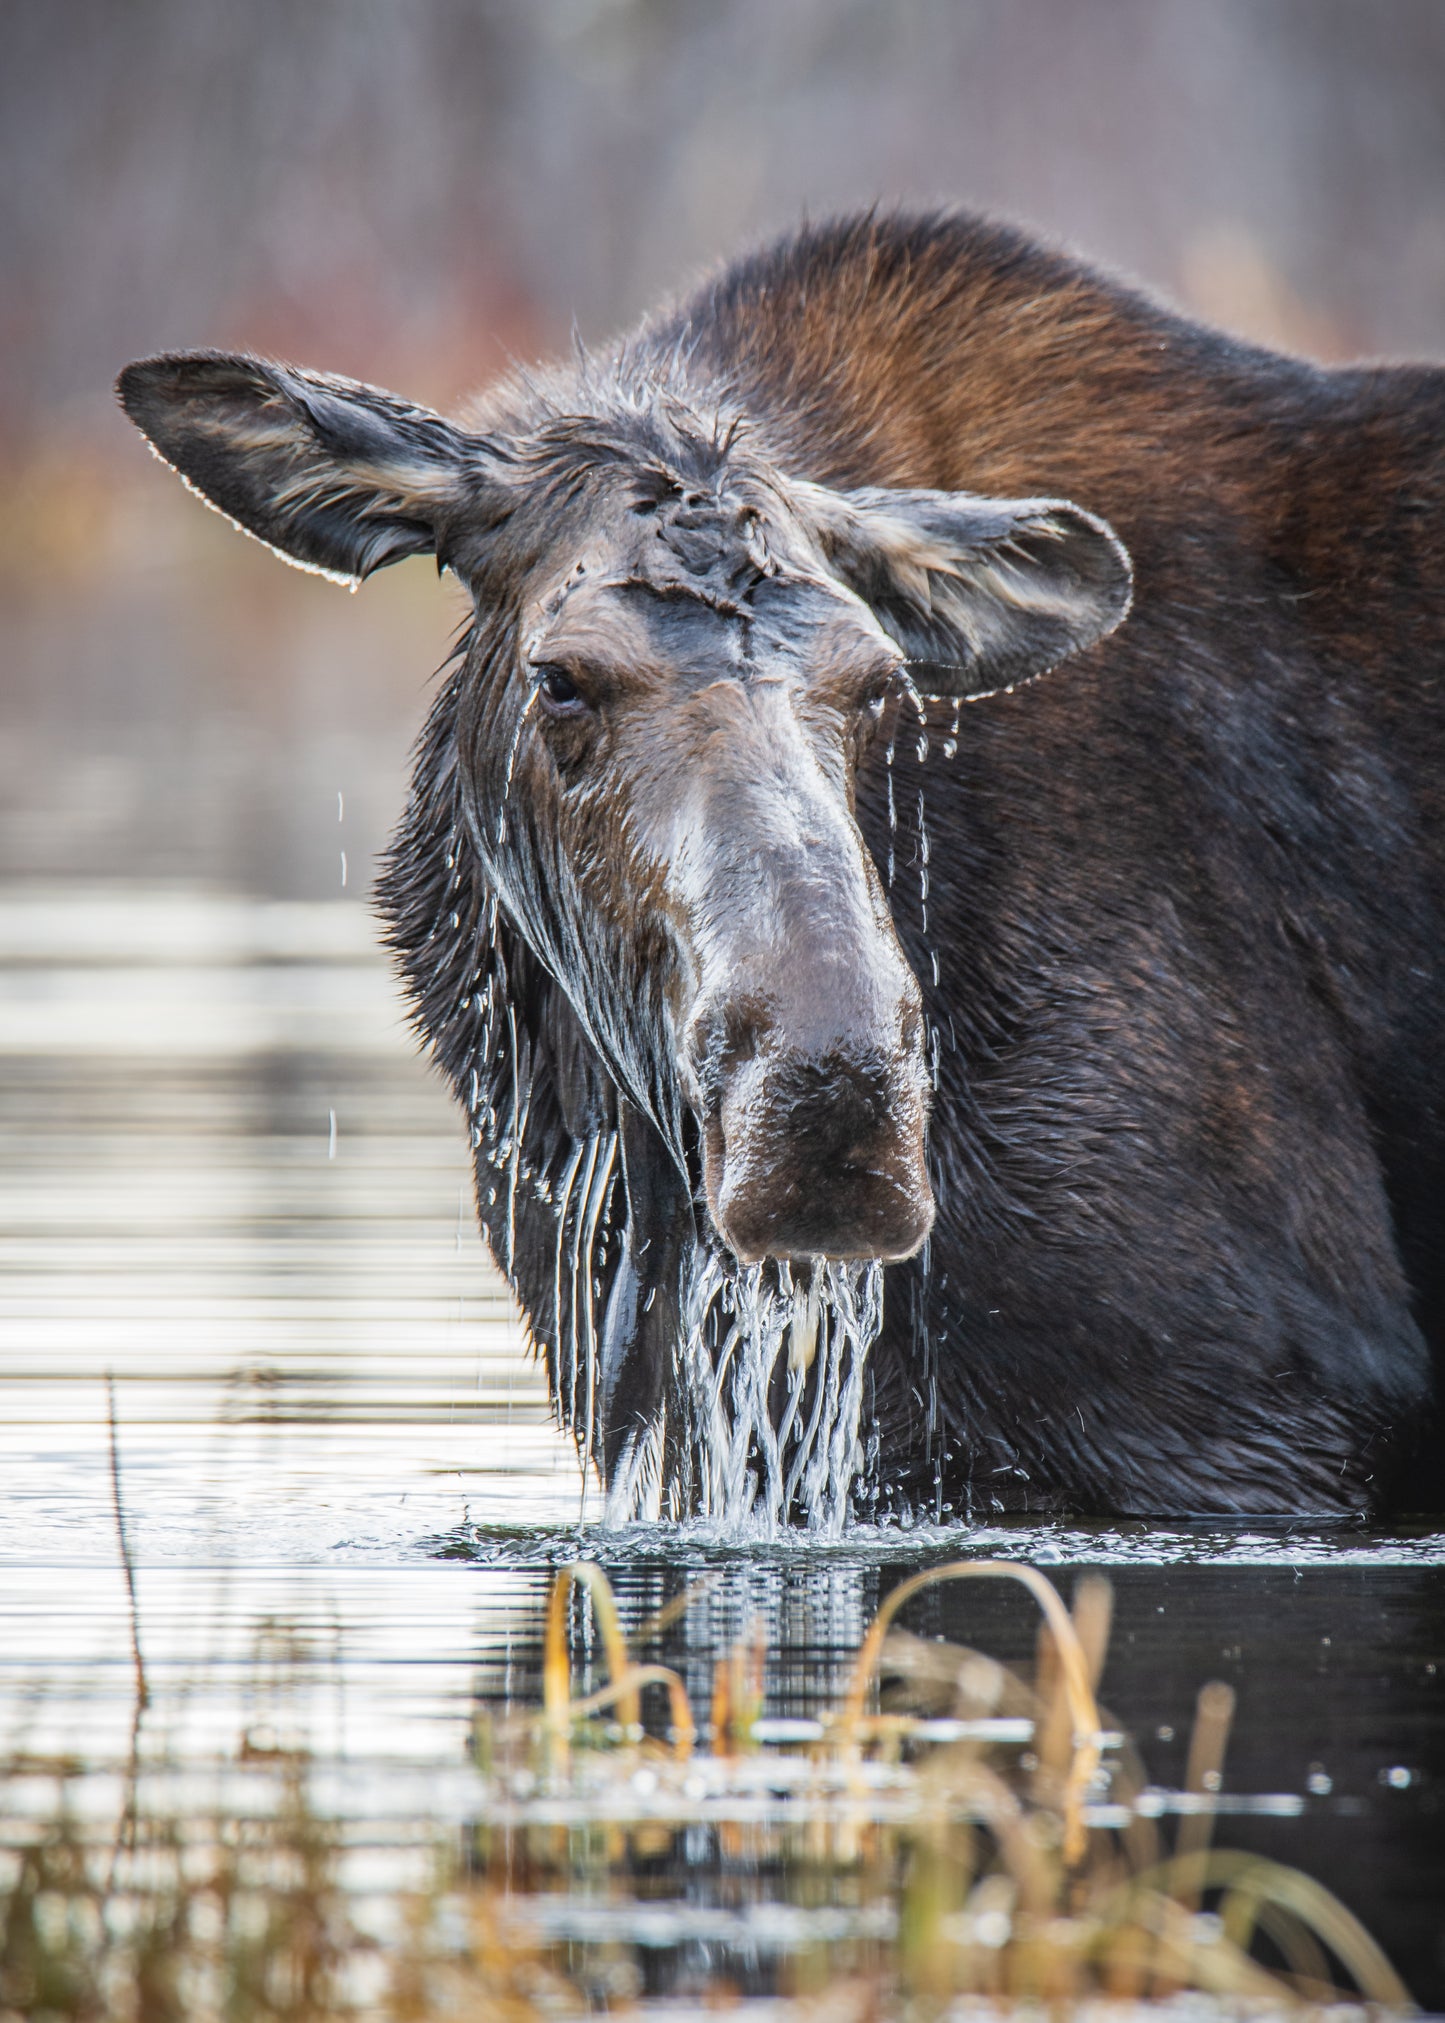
(802,1048)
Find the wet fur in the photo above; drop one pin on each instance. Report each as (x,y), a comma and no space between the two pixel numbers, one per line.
(1184,895)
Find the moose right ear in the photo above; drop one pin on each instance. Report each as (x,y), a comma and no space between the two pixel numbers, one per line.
(335,476)
(979,593)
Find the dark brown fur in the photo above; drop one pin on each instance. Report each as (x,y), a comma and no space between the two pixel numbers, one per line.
(1184,893)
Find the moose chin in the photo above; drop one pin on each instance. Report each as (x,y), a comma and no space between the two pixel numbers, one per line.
(925,874)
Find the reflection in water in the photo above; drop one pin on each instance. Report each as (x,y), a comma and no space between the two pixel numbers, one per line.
(303,1330)
(227,1181)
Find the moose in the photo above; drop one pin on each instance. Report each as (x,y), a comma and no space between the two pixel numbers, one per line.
(929,857)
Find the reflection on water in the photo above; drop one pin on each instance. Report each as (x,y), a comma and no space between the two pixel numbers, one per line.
(228,1182)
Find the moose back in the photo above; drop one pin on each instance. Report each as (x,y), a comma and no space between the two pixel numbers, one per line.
(925,873)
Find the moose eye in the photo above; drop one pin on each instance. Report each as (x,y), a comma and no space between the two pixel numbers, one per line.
(559,692)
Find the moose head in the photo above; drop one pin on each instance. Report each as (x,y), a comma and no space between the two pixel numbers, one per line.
(682,650)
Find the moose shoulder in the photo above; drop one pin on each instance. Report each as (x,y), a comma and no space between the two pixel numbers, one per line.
(925,874)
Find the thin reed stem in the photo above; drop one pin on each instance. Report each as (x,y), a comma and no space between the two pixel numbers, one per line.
(142,1690)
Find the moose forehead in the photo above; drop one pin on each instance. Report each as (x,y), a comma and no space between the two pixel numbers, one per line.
(714,583)
(623,633)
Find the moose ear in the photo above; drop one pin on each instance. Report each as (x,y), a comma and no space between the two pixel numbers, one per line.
(335,476)
(980,593)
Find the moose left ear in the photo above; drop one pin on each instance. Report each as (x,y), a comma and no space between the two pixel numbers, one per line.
(981,593)
(332,475)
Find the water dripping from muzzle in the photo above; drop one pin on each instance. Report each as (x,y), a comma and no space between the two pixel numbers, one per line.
(773,1363)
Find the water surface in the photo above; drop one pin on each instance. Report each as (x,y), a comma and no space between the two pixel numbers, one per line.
(233,1200)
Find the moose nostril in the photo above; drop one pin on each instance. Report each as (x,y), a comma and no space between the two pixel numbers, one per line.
(744,1025)
(721,1038)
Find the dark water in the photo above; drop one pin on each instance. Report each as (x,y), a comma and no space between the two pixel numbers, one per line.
(1333,1642)
(227,1185)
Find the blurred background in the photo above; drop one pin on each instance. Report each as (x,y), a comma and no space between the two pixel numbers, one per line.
(415,191)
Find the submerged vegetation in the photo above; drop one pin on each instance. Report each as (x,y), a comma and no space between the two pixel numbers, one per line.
(954,1838)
